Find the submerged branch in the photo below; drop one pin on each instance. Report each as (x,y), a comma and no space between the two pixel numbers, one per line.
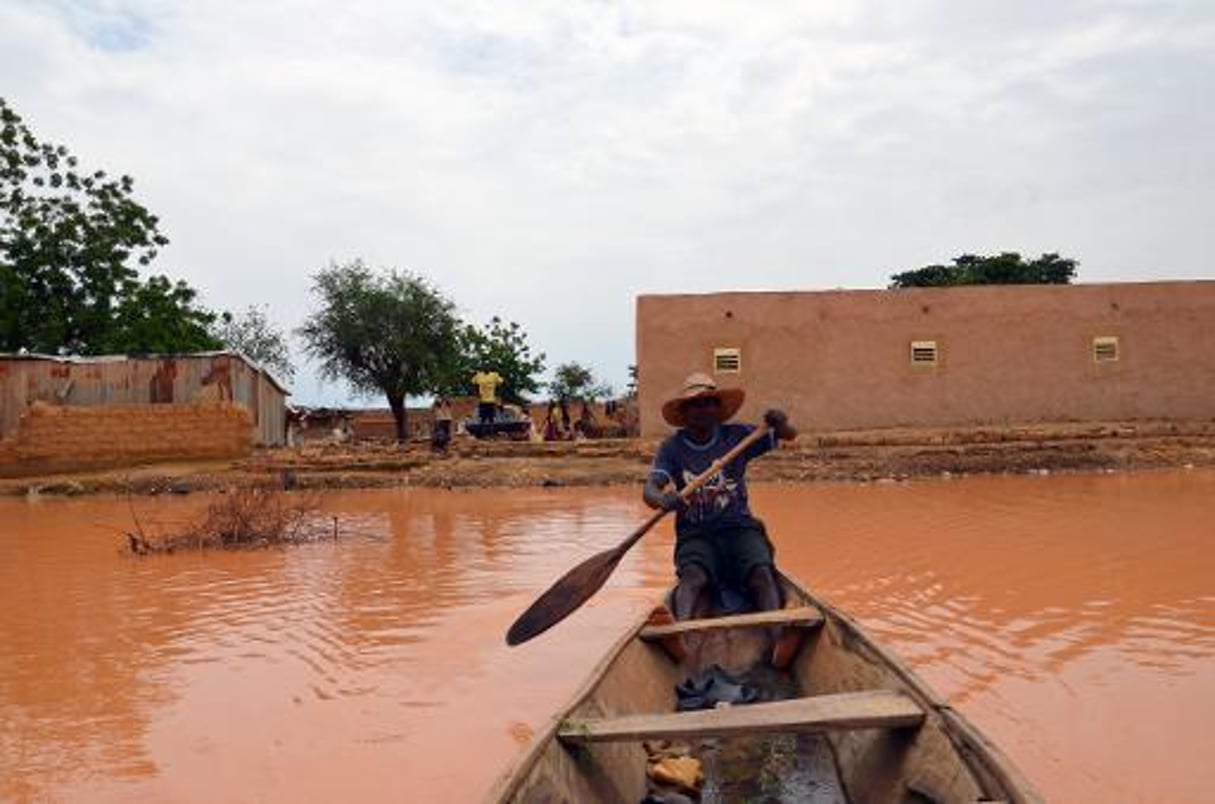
(246,517)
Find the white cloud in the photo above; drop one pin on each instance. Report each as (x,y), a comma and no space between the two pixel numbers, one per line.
(547,162)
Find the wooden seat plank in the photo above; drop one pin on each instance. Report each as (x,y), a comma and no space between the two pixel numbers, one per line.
(872,709)
(804,617)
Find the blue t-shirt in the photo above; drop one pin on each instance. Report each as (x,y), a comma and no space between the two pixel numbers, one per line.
(722,501)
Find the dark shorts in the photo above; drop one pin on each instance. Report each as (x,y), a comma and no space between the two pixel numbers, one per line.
(441,436)
(728,555)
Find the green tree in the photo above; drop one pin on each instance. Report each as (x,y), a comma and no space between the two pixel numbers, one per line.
(393,334)
(1006,268)
(572,381)
(70,241)
(252,334)
(501,347)
(156,317)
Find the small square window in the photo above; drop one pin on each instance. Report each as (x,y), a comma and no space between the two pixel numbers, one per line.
(727,361)
(924,353)
(1105,349)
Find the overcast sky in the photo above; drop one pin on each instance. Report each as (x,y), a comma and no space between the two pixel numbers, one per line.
(548,162)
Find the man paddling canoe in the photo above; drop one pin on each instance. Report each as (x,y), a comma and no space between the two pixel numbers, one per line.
(719,545)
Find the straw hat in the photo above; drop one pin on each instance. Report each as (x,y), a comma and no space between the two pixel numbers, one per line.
(699,386)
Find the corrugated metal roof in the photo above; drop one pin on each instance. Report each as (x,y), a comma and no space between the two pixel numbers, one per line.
(87,359)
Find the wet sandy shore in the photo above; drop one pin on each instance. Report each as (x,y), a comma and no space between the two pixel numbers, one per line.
(891,454)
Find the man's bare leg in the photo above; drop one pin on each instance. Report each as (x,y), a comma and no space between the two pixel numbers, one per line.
(764,589)
(692,593)
(692,601)
(766,593)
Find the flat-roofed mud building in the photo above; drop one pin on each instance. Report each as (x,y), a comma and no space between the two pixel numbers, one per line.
(939,357)
(69,413)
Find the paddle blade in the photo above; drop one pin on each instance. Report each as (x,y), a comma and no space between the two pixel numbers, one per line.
(562,598)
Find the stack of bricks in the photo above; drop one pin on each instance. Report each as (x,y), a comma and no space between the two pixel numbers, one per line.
(64,439)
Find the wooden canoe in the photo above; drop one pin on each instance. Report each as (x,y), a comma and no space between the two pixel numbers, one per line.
(854,724)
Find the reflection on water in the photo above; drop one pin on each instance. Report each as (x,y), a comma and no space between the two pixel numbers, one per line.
(1064,614)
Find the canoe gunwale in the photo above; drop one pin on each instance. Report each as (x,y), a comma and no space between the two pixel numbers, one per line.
(985,759)
(515,774)
(993,768)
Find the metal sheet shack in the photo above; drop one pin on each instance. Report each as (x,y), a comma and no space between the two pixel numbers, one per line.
(69,412)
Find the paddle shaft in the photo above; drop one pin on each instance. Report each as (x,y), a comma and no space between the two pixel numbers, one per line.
(577,586)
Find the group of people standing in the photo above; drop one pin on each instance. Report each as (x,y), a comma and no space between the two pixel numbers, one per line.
(487,383)
(559,425)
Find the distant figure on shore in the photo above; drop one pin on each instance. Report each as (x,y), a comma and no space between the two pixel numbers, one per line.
(567,421)
(342,432)
(586,426)
(552,423)
(487,383)
(440,436)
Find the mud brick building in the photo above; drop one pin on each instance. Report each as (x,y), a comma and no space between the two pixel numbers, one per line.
(939,357)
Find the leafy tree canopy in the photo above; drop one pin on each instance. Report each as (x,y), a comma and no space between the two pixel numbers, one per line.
(392,334)
(252,334)
(1008,268)
(575,381)
(70,241)
(501,347)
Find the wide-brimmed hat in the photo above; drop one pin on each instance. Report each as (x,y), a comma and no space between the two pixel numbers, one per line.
(699,386)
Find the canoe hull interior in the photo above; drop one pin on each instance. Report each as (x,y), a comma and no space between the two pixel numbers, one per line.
(940,757)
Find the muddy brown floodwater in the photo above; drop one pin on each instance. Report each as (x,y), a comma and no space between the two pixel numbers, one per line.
(1072,618)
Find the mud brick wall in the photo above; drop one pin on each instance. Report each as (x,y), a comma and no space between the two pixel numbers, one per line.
(1005,354)
(65,439)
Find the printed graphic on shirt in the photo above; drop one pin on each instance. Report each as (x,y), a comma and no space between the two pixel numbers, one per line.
(714,498)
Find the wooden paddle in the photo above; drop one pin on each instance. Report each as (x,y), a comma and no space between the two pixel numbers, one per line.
(578,585)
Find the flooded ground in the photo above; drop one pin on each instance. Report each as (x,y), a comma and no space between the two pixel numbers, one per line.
(1072,618)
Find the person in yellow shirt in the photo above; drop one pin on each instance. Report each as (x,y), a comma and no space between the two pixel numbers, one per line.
(487,383)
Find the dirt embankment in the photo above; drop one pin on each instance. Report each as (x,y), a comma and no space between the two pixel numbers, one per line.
(856,456)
